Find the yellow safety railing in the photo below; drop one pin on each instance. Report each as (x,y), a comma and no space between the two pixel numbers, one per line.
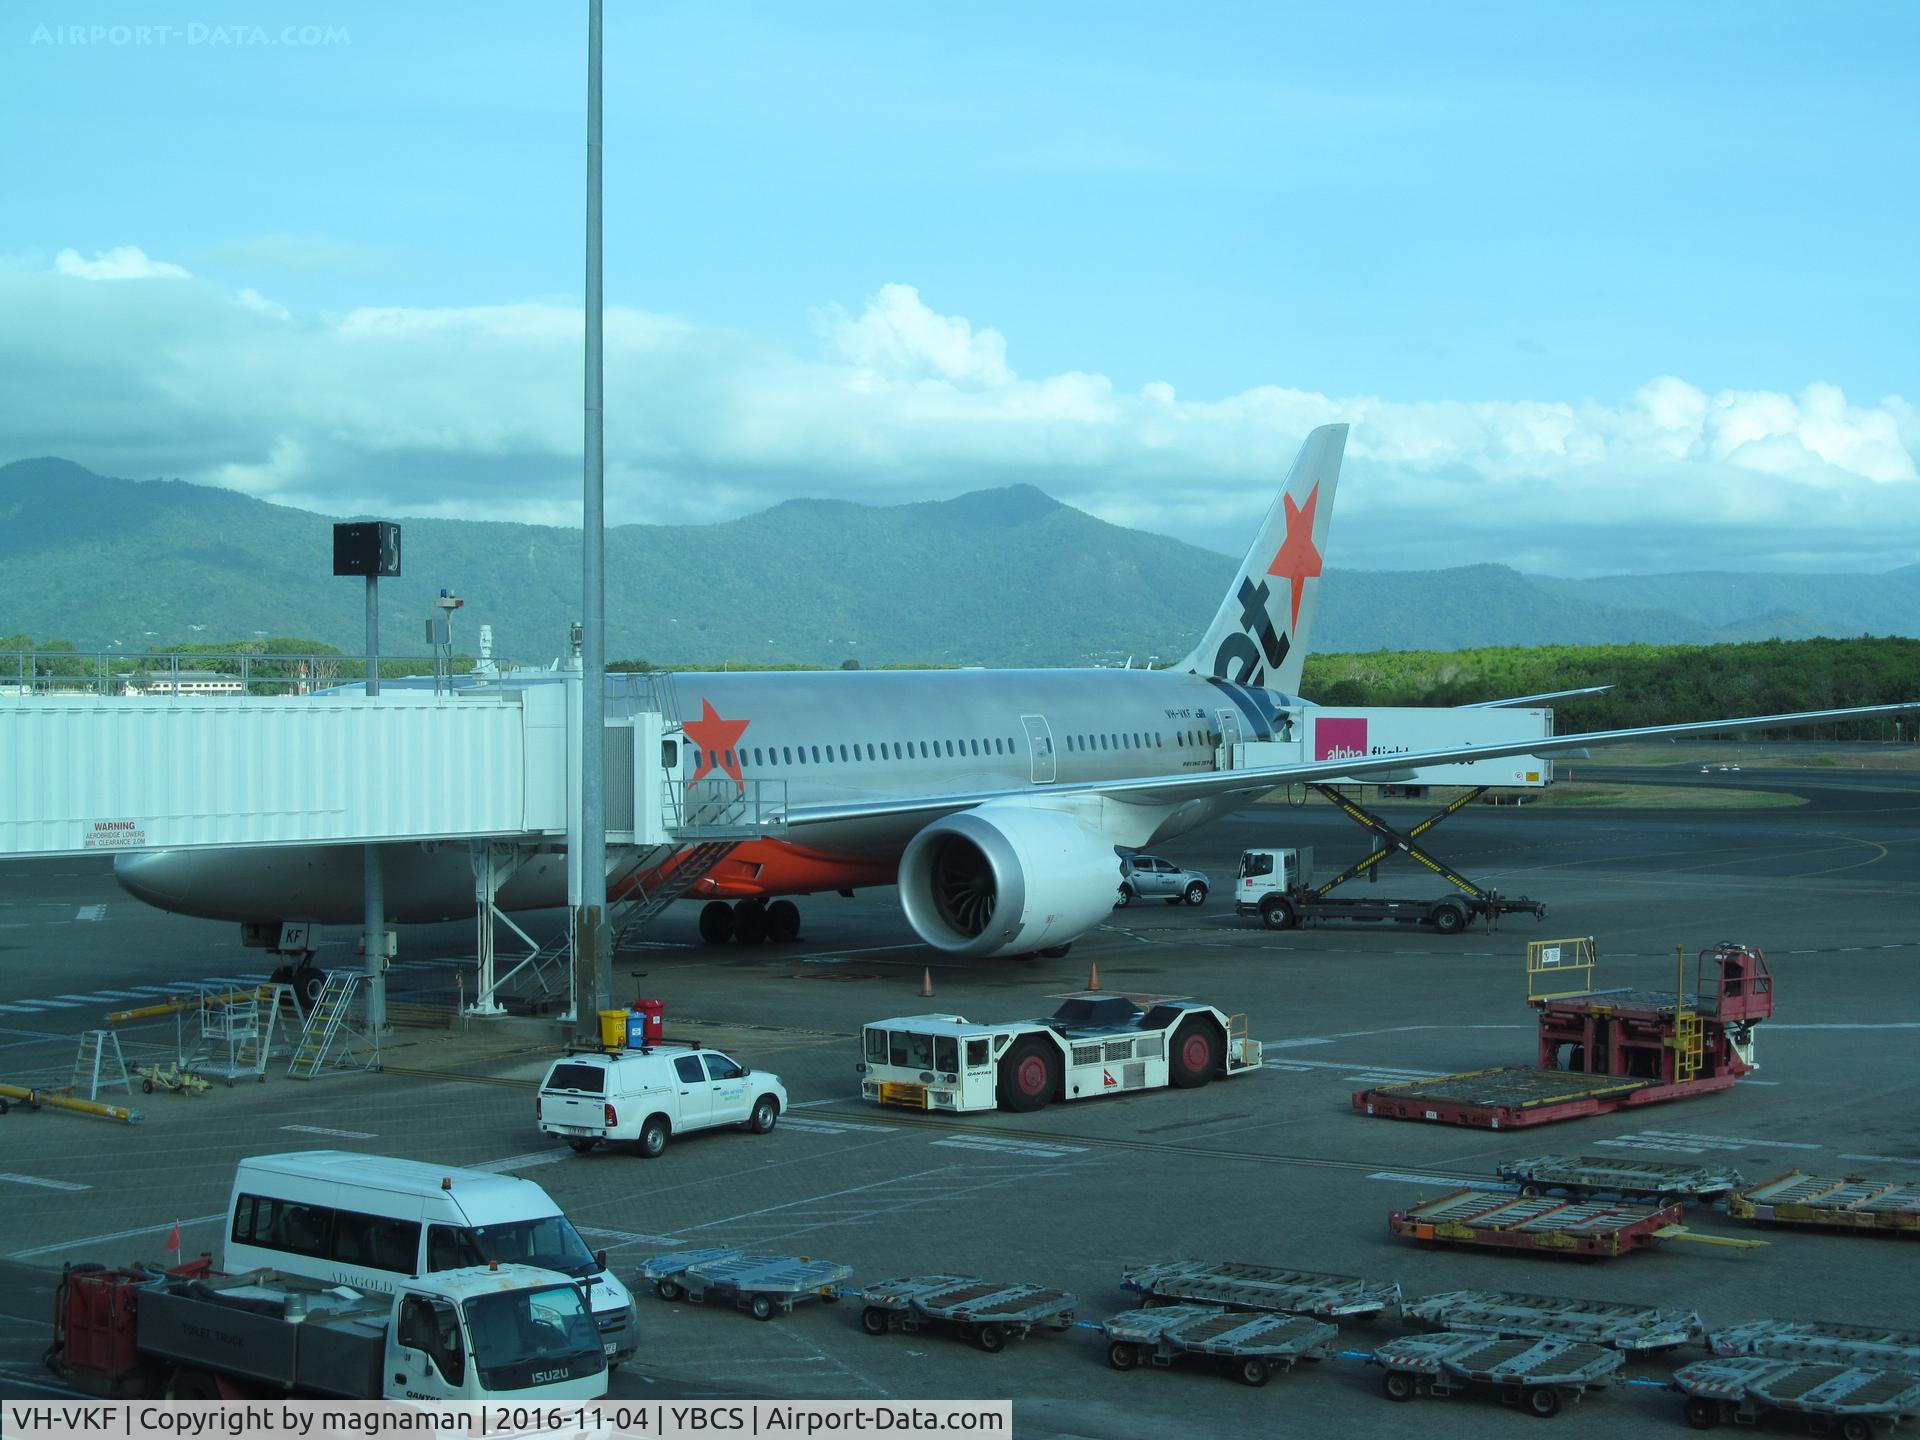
(1560,967)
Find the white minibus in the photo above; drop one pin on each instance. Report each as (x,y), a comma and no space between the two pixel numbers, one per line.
(370,1221)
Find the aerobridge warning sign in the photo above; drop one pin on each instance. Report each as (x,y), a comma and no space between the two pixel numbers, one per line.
(114,835)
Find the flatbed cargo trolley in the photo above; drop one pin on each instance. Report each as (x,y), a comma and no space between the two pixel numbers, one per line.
(1537,1375)
(1539,1222)
(1603,1050)
(1584,1176)
(988,1312)
(1250,1346)
(1861,1399)
(1262,1287)
(761,1285)
(1849,1344)
(1636,1329)
(1845,1203)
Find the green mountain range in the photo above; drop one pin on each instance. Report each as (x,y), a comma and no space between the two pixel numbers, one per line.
(1001,577)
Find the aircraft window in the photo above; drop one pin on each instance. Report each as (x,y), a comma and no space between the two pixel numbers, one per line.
(1103,742)
(1049,744)
(949,747)
(870,750)
(976,746)
(996,744)
(816,754)
(896,750)
(713,758)
(729,759)
(923,749)
(843,752)
(787,751)
(756,754)
(1010,746)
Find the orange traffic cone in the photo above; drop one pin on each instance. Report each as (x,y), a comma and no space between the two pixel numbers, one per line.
(1093,976)
(926,983)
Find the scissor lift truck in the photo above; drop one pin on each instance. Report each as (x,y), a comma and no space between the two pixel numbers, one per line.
(1849,1202)
(761,1285)
(507,1332)
(1262,1287)
(1092,1045)
(1639,1329)
(1858,1401)
(1537,1375)
(1602,1050)
(1584,1176)
(1848,1344)
(1250,1347)
(987,1312)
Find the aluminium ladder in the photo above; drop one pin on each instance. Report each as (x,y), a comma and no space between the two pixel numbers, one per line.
(328,1028)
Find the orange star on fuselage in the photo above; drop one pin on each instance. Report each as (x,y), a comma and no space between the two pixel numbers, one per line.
(1297,560)
(717,743)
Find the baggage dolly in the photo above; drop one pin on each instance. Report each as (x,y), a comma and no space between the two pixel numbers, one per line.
(987,1312)
(1553,1227)
(1262,1287)
(1871,1345)
(1848,1202)
(1252,1345)
(761,1285)
(1581,1177)
(1537,1375)
(1863,1400)
(1634,1328)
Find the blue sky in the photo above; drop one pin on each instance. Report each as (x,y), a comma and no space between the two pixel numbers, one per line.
(1557,263)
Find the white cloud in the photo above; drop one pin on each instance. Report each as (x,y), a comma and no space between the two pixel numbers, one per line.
(123,262)
(475,411)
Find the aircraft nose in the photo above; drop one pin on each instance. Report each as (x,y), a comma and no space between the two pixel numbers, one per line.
(154,876)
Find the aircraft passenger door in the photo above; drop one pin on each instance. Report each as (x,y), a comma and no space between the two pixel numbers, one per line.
(1040,745)
(1229,737)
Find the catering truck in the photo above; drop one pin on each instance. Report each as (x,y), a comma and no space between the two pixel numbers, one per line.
(490,1332)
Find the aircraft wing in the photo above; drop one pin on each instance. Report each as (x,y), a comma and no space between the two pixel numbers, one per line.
(1174,789)
(1518,700)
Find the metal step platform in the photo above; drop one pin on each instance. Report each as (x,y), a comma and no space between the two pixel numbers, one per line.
(761,1285)
(989,1312)
(1537,1375)
(1584,1176)
(1844,1203)
(1744,1389)
(1253,1347)
(1633,1328)
(1262,1287)
(1844,1344)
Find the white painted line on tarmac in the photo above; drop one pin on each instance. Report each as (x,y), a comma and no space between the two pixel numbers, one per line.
(1453,1180)
(1886,1159)
(117,994)
(324,1130)
(43,1184)
(834,1127)
(81,999)
(628,1237)
(523,1162)
(1726,1140)
(92,912)
(88,1240)
(810,1104)
(44,1004)
(1011,1147)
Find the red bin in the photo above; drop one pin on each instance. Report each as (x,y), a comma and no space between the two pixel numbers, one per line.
(647,1025)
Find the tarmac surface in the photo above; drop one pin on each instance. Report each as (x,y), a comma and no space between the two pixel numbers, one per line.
(1273,1167)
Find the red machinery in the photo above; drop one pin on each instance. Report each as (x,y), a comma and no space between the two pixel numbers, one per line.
(1603,1050)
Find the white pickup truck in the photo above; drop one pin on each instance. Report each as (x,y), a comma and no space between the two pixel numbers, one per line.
(645,1097)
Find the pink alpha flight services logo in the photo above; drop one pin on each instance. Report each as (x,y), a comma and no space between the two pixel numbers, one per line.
(1339,739)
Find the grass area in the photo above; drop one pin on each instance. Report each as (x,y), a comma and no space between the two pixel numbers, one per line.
(1578,795)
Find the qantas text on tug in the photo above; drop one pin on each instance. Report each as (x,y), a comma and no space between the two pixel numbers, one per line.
(994,798)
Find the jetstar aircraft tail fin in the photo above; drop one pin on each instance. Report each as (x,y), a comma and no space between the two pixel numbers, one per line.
(1259,638)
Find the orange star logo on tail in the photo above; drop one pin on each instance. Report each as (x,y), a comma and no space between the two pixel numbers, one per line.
(1297,560)
(716,743)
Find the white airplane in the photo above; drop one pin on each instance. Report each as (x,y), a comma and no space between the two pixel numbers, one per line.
(995,799)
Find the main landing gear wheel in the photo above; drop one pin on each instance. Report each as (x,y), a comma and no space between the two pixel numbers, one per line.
(749,922)
(716,922)
(783,921)
(1029,1075)
(1194,1054)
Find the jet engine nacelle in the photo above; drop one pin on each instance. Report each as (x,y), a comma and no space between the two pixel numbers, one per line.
(1007,877)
